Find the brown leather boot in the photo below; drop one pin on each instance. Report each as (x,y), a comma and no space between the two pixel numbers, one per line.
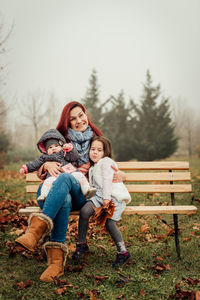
(39,225)
(57,255)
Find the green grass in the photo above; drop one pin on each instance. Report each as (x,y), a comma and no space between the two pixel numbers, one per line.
(153,272)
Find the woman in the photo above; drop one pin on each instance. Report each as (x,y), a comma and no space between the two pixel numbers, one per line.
(65,194)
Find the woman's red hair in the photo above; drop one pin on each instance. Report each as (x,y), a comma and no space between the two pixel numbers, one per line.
(64,122)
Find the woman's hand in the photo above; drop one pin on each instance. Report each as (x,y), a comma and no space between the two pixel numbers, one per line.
(53,168)
(105,202)
(119,176)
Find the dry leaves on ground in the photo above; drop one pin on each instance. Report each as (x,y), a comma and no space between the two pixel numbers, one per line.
(22,285)
(97,279)
(122,280)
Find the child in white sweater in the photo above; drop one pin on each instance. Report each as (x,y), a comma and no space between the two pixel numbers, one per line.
(101,177)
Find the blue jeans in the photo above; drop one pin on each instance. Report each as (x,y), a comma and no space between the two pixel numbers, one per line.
(64,196)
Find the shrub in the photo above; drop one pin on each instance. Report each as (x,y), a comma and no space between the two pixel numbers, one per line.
(20,154)
(197,150)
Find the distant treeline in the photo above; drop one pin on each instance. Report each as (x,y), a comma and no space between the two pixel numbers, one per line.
(144,132)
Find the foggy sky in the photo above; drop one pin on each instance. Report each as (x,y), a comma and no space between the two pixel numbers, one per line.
(55,44)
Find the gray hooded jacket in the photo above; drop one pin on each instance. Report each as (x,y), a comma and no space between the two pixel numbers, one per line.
(62,157)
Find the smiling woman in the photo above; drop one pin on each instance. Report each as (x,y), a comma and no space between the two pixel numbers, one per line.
(65,194)
(78,129)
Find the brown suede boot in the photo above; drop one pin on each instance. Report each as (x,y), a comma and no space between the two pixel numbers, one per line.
(39,225)
(57,255)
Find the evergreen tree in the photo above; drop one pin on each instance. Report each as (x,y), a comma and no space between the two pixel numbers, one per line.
(117,126)
(91,101)
(153,132)
(4,142)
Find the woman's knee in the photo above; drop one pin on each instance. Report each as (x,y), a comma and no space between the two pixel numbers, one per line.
(64,176)
(68,201)
(67,178)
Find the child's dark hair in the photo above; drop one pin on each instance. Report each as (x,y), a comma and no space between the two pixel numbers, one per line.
(106,145)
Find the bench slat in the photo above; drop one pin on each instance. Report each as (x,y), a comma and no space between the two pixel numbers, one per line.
(141,188)
(153,165)
(35,209)
(151,210)
(136,165)
(164,176)
(32,177)
(159,188)
(132,210)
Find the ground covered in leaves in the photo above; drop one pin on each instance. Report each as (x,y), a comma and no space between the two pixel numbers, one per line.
(154,272)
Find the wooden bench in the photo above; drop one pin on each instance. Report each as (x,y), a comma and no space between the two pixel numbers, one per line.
(146,177)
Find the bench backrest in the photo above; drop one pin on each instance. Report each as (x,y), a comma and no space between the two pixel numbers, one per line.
(154,177)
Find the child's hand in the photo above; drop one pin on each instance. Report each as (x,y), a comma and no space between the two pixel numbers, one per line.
(105,202)
(67,147)
(22,171)
(119,176)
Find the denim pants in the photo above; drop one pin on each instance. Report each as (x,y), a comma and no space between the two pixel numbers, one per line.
(64,196)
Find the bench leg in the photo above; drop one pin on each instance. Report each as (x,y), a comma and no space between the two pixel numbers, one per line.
(175,217)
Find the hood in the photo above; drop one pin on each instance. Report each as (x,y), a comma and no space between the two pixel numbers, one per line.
(50,134)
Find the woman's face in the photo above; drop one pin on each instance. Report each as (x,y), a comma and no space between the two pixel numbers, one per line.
(96,151)
(78,119)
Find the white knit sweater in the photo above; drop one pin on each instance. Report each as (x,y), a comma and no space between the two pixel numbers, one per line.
(102,174)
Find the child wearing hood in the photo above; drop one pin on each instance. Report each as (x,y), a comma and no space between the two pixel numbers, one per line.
(54,148)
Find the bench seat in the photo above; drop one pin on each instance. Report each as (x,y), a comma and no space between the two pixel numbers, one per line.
(168,177)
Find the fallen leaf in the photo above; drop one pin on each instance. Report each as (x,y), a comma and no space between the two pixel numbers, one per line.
(89,275)
(60,282)
(121,297)
(159,258)
(197,295)
(170,232)
(142,292)
(60,291)
(192,281)
(22,285)
(77,269)
(102,247)
(183,294)
(144,227)
(101,278)
(161,267)
(187,238)
(94,294)
(81,295)
(123,280)
(197,199)
(167,267)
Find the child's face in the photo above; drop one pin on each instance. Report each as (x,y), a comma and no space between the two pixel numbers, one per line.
(54,148)
(96,151)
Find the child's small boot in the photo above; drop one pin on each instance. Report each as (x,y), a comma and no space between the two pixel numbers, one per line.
(81,249)
(57,255)
(41,197)
(121,259)
(39,225)
(87,190)
(90,193)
